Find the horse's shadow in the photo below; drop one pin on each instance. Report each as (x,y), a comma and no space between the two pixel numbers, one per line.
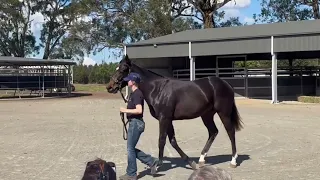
(176,162)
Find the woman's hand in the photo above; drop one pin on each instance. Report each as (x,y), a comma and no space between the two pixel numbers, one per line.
(123,110)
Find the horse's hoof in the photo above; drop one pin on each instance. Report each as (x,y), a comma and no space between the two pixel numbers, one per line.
(201,164)
(194,165)
(233,165)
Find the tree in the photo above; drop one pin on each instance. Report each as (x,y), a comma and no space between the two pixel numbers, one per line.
(207,9)
(115,22)
(315,7)
(16,38)
(59,15)
(282,11)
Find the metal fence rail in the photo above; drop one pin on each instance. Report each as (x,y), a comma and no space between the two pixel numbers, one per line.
(34,79)
(292,81)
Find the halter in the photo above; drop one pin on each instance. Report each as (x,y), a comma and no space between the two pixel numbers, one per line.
(103,176)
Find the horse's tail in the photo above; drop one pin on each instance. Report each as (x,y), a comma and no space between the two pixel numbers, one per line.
(235,118)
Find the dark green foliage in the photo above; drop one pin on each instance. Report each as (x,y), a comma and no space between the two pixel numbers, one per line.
(99,74)
(16,38)
(282,11)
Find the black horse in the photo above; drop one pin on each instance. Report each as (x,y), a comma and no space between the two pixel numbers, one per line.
(171,99)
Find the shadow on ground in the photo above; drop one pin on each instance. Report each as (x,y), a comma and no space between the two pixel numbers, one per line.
(176,162)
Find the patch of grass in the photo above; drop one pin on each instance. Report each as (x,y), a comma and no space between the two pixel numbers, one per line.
(309,99)
(5,95)
(90,87)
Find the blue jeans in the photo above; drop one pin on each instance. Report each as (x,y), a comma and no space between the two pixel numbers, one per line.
(136,128)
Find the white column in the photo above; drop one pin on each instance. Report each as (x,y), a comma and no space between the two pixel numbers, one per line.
(127,88)
(192,64)
(69,79)
(192,69)
(72,74)
(274,74)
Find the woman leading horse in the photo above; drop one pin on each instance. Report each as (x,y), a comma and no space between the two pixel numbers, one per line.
(171,99)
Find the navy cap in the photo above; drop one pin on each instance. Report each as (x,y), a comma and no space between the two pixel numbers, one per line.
(133,77)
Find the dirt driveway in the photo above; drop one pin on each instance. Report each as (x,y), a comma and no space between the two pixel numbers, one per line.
(54,138)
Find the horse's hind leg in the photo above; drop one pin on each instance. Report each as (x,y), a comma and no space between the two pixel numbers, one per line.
(226,120)
(173,142)
(213,132)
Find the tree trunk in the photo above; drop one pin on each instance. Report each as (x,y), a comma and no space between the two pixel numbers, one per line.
(315,7)
(208,20)
(48,41)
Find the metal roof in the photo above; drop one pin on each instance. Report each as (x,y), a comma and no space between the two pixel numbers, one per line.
(19,61)
(238,32)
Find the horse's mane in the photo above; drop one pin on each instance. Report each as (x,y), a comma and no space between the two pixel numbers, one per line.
(155,73)
(149,71)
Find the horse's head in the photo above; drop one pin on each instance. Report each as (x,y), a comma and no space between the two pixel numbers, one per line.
(116,82)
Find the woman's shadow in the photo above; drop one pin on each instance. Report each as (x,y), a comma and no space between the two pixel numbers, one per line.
(176,162)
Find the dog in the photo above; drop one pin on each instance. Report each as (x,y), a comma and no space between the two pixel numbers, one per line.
(99,169)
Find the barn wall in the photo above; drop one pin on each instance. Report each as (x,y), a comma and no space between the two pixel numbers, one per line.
(163,66)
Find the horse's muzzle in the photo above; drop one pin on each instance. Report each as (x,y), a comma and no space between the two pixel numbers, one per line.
(113,90)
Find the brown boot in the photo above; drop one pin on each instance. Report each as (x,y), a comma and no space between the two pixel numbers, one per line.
(126,177)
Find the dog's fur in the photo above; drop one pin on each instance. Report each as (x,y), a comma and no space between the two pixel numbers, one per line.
(97,168)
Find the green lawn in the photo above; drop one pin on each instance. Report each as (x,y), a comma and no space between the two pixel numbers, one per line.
(309,99)
(90,87)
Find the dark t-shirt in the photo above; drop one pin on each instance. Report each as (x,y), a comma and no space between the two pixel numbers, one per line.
(135,98)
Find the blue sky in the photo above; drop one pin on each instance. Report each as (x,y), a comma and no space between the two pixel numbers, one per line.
(243,8)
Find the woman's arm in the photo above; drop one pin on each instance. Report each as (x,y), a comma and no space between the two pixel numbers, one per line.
(137,110)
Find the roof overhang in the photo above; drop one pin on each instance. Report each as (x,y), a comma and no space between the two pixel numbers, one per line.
(19,61)
(255,31)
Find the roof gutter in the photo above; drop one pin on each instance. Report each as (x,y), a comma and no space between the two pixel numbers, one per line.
(222,39)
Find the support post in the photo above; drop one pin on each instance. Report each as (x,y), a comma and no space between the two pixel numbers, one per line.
(192,64)
(274,74)
(127,88)
(42,81)
(247,76)
(217,66)
(69,80)
(72,74)
(192,69)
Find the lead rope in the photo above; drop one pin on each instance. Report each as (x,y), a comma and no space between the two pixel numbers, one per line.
(124,99)
(125,130)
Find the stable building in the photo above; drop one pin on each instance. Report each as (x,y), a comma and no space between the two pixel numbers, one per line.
(193,54)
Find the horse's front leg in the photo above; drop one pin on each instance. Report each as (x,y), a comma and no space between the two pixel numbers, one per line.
(163,126)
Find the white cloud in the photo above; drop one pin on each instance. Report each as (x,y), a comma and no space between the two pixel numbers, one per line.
(248,20)
(88,61)
(84,18)
(234,10)
(37,21)
(231,13)
(237,4)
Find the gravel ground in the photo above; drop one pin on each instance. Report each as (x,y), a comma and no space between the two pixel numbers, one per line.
(54,138)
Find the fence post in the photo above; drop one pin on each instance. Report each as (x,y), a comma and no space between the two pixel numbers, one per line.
(301,82)
(246,82)
(69,80)
(42,81)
